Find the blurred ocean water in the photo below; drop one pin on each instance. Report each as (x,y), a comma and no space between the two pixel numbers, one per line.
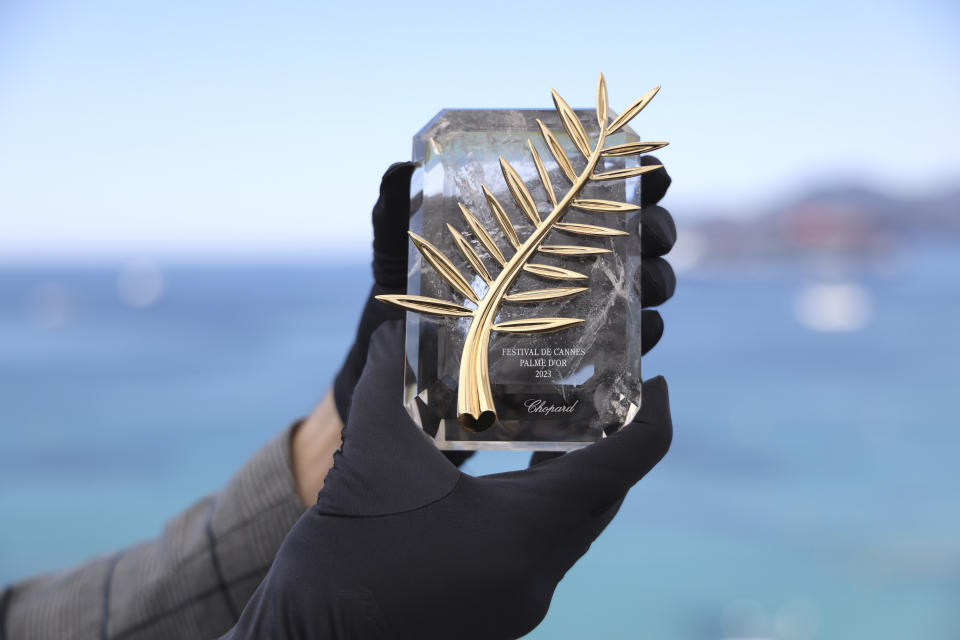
(812,489)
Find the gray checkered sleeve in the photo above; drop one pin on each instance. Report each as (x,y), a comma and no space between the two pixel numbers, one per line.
(191,582)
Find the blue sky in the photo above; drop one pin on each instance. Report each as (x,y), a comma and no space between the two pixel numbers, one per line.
(216,128)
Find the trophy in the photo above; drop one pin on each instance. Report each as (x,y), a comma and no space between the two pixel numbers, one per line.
(523,301)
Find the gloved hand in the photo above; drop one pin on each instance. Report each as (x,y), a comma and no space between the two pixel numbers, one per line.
(401,544)
(317,438)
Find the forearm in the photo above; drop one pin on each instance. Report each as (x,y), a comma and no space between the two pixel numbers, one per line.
(191,582)
(312,446)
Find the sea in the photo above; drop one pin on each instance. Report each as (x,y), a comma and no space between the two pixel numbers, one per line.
(812,489)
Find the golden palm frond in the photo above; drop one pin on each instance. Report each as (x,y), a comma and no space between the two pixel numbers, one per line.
(475,407)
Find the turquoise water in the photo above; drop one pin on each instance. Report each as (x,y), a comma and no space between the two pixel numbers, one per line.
(811,491)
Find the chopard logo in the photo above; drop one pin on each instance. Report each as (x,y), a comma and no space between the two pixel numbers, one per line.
(542,407)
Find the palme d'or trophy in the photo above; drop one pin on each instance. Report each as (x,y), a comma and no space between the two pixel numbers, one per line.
(523,324)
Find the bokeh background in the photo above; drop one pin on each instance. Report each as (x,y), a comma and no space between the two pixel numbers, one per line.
(184,250)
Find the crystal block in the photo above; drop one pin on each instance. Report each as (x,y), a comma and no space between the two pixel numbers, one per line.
(552,391)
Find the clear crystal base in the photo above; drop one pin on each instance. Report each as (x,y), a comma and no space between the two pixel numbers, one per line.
(553,391)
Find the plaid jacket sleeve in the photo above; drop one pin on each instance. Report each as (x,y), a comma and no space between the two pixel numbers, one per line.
(190,582)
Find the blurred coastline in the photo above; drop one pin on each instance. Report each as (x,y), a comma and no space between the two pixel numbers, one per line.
(842,222)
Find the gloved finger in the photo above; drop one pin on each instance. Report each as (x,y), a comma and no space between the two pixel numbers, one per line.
(656,282)
(653,185)
(385,464)
(658,232)
(391,219)
(651,329)
(600,474)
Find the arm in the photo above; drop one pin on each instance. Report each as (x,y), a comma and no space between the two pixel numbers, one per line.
(190,582)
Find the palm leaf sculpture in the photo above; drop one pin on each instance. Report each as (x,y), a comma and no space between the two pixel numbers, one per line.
(475,407)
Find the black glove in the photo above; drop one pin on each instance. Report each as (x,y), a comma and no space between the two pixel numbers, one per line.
(657,235)
(401,544)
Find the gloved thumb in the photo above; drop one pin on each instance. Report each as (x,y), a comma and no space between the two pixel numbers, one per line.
(386,463)
(600,474)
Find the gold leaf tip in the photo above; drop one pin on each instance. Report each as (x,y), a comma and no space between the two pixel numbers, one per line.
(572,125)
(602,101)
(633,148)
(631,111)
